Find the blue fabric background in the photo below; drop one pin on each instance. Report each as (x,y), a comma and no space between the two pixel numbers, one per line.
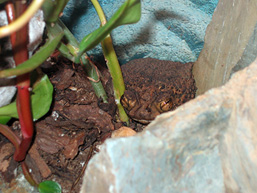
(168,29)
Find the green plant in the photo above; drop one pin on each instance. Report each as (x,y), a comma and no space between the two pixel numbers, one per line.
(28,105)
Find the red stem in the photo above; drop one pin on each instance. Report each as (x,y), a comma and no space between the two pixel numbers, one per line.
(27,175)
(11,136)
(24,112)
(9,8)
(19,42)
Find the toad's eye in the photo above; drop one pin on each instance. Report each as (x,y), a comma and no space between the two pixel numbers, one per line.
(128,100)
(164,105)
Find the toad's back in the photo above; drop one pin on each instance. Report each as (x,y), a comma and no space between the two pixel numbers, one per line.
(152,82)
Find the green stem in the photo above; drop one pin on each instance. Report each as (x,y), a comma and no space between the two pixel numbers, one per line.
(91,72)
(112,64)
(99,11)
(70,51)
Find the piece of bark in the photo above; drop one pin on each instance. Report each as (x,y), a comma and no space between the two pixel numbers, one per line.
(50,140)
(7,164)
(91,115)
(71,150)
(42,166)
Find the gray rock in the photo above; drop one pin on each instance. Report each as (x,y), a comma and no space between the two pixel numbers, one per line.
(6,93)
(206,145)
(249,53)
(230,43)
(168,29)
(7,90)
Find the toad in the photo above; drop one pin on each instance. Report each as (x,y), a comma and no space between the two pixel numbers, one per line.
(155,86)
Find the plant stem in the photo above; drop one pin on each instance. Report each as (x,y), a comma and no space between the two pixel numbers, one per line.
(70,51)
(27,175)
(19,42)
(112,64)
(25,118)
(117,78)
(9,8)
(10,135)
(97,84)
(15,140)
(99,11)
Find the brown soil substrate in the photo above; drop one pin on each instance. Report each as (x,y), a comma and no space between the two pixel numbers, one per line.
(69,134)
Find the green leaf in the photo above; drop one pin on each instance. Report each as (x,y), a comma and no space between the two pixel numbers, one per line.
(41,100)
(3,1)
(37,59)
(128,13)
(9,111)
(49,187)
(52,9)
(42,96)
(4,120)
